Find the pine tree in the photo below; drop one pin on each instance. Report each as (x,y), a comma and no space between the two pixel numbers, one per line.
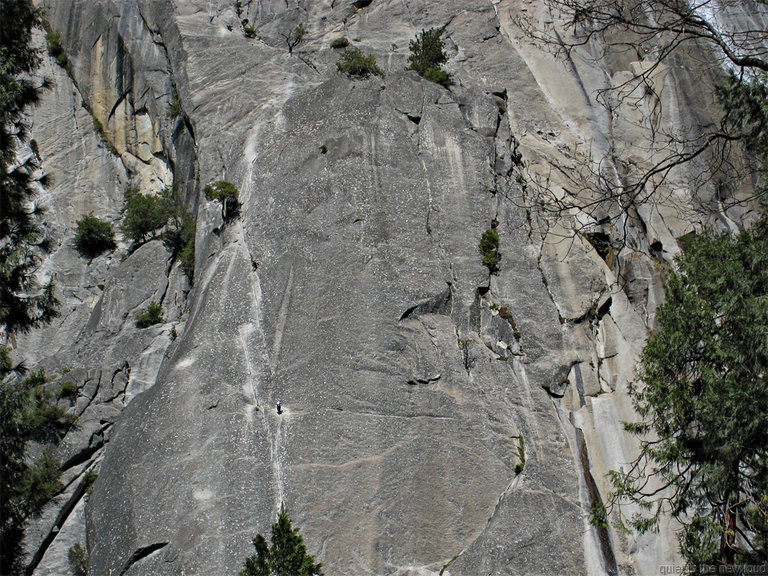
(22,240)
(286,557)
(427,55)
(703,399)
(24,411)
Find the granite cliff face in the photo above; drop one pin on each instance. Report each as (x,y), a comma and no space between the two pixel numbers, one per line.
(438,418)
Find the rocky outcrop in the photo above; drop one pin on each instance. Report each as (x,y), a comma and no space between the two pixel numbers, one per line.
(437,418)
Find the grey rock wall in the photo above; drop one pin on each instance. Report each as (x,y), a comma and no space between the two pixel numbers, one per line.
(437,418)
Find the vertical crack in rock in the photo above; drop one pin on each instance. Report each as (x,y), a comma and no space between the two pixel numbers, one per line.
(119,101)
(276,443)
(511,485)
(61,518)
(274,436)
(597,539)
(545,283)
(125,371)
(94,395)
(603,536)
(579,380)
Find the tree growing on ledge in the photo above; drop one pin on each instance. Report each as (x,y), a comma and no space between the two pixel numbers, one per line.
(427,55)
(489,248)
(703,402)
(287,556)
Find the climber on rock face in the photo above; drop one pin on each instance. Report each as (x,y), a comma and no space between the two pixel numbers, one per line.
(279,407)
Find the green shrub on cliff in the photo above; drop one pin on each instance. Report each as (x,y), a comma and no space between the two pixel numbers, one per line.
(228,194)
(94,236)
(28,413)
(55,48)
(144,214)
(151,315)
(339,43)
(77,558)
(221,190)
(427,55)
(489,247)
(353,62)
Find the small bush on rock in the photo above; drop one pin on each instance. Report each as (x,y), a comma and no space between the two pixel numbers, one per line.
(295,37)
(46,420)
(152,314)
(186,254)
(221,190)
(179,236)
(489,247)
(77,558)
(89,478)
(438,76)
(67,390)
(94,236)
(353,62)
(55,49)
(144,214)
(227,193)
(174,108)
(339,43)
(180,240)
(41,482)
(427,55)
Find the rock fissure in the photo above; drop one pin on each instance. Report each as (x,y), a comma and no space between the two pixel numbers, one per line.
(125,373)
(142,553)
(120,100)
(96,442)
(545,283)
(61,517)
(309,63)
(92,398)
(597,536)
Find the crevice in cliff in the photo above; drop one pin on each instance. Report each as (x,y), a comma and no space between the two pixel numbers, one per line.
(119,101)
(124,370)
(441,303)
(426,380)
(93,396)
(511,485)
(506,315)
(153,32)
(96,441)
(61,518)
(475,316)
(604,538)
(597,537)
(142,553)
(596,311)
(545,283)
(309,63)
